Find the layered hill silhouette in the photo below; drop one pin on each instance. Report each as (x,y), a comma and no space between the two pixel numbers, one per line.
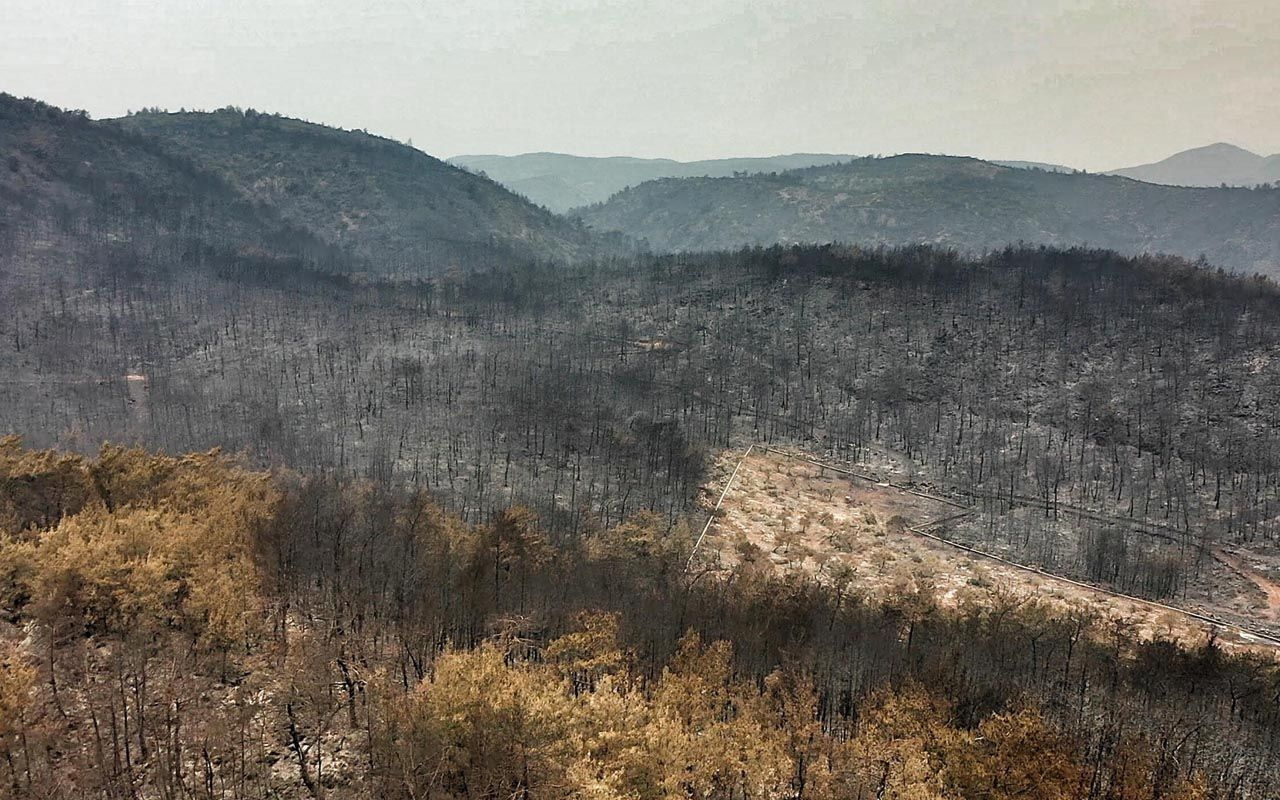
(1212,165)
(964,203)
(162,191)
(563,182)
(391,205)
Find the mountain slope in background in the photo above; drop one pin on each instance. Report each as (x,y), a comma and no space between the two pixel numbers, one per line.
(392,206)
(562,182)
(82,200)
(959,202)
(1213,165)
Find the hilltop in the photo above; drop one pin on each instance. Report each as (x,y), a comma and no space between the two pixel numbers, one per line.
(82,200)
(964,203)
(1213,165)
(161,193)
(390,205)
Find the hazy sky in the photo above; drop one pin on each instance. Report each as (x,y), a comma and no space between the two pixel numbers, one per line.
(1090,83)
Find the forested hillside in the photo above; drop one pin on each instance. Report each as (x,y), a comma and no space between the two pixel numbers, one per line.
(955,202)
(395,208)
(93,203)
(187,627)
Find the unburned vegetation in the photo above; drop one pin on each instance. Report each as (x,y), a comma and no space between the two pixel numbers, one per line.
(190,627)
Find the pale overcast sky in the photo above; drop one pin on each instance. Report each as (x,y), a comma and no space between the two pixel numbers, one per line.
(1089,83)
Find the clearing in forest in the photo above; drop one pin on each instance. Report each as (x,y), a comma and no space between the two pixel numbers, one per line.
(802,516)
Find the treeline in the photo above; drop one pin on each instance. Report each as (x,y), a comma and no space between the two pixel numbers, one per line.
(185,627)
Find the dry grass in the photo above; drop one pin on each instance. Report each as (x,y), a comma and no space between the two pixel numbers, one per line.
(801,517)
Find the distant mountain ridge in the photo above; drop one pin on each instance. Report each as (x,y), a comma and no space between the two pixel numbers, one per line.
(1211,165)
(964,203)
(562,182)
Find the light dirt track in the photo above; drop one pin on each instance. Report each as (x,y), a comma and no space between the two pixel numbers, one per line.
(1267,586)
(803,515)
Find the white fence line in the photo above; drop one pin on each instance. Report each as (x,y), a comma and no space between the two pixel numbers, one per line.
(712,517)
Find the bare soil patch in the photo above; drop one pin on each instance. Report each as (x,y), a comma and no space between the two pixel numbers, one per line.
(804,517)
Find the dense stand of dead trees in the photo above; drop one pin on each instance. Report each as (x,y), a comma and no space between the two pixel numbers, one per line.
(1144,389)
(188,628)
